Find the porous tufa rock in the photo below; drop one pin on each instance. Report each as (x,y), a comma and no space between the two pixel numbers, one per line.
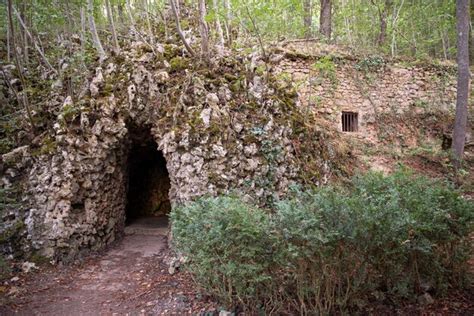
(206,116)
(212,99)
(96,82)
(161,77)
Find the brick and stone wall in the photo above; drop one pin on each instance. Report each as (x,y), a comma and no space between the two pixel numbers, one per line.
(331,82)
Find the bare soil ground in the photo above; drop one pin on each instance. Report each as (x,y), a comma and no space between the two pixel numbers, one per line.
(130,278)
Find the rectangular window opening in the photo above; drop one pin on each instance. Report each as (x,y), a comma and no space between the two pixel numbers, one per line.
(350,121)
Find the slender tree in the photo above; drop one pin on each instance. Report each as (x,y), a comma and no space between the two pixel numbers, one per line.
(120,12)
(8,42)
(383,16)
(93,29)
(228,21)
(24,98)
(471,32)
(37,47)
(112,25)
(22,17)
(203,29)
(83,28)
(459,133)
(148,23)
(178,28)
(325,18)
(307,18)
(220,33)
(395,18)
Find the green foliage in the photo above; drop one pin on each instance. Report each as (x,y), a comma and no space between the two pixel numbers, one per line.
(372,63)
(415,28)
(333,249)
(325,66)
(178,63)
(229,245)
(12,231)
(48,146)
(69,113)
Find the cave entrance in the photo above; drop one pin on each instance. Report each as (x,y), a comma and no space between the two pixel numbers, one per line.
(148,202)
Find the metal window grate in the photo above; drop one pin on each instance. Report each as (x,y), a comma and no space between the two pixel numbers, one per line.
(350,121)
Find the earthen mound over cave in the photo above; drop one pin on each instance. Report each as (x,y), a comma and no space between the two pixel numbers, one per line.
(219,127)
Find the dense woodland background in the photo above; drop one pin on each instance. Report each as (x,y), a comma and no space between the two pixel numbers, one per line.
(418,28)
(59,40)
(399,27)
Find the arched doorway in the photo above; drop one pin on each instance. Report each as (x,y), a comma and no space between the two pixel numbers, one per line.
(148,186)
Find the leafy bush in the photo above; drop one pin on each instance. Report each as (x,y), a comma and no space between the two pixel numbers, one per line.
(386,237)
(230,247)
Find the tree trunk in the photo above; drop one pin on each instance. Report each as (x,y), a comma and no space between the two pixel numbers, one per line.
(220,33)
(22,17)
(120,13)
(148,23)
(93,29)
(38,49)
(347,24)
(383,14)
(8,43)
(203,29)
(112,26)
(471,32)
(179,30)
(132,22)
(325,18)
(459,133)
(396,15)
(83,29)
(19,67)
(307,18)
(228,22)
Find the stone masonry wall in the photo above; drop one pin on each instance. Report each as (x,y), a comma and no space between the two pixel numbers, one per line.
(370,86)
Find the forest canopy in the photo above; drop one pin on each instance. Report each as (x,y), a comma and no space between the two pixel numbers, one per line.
(419,28)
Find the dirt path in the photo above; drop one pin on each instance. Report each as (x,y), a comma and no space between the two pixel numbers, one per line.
(130,278)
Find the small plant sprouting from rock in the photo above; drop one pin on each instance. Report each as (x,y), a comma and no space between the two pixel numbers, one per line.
(371,63)
(326,69)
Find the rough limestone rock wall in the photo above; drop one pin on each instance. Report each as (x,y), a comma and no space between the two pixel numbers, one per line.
(220,128)
(371,86)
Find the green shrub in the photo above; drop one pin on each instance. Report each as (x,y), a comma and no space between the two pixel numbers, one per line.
(333,249)
(392,237)
(418,231)
(321,258)
(229,246)
(326,68)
